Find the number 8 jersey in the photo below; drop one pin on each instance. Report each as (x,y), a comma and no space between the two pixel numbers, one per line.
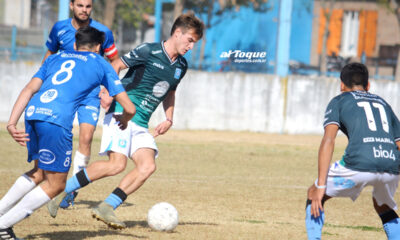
(68,77)
(371,128)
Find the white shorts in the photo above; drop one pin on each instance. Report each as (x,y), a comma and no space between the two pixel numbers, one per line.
(343,182)
(127,141)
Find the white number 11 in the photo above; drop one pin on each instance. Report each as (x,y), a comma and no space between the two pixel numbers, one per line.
(370,115)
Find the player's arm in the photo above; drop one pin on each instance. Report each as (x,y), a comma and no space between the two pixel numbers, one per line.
(324,159)
(48,53)
(129,109)
(169,105)
(31,88)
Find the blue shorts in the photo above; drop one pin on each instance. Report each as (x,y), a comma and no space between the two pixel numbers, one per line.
(50,144)
(89,111)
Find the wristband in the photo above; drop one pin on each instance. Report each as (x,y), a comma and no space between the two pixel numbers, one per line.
(169,120)
(319,187)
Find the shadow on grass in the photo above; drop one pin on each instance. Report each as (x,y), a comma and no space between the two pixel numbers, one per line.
(77,235)
(198,223)
(132,224)
(92,204)
(362,228)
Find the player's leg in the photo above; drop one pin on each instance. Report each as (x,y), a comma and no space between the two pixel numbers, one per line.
(384,204)
(314,225)
(144,159)
(24,184)
(95,171)
(54,183)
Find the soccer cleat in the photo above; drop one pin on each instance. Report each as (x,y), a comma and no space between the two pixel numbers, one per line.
(105,213)
(8,234)
(68,200)
(53,205)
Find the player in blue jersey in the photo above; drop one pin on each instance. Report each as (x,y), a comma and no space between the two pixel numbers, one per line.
(371,158)
(61,38)
(155,70)
(51,100)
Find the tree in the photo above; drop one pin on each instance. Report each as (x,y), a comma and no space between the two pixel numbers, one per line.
(323,55)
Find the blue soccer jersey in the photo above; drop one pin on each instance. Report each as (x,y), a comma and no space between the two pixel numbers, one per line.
(62,37)
(68,77)
(372,129)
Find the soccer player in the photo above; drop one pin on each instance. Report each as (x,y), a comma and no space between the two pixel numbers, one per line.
(61,38)
(155,70)
(371,157)
(51,99)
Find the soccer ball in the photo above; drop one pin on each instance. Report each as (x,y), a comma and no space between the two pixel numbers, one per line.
(162,217)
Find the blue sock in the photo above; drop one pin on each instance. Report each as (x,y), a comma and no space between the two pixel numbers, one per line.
(314,225)
(77,181)
(392,229)
(116,198)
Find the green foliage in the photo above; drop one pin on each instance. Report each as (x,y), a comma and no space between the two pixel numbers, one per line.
(132,11)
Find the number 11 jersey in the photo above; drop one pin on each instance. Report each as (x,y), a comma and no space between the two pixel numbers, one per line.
(372,129)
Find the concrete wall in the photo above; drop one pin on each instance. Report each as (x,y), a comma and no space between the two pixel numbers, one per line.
(230,101)
(18,13)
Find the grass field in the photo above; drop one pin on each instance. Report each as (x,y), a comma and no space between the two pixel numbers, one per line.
(225,185)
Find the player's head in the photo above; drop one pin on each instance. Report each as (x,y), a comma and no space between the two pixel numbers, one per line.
(88,39)
(355,75)
(81,10)
(186,31)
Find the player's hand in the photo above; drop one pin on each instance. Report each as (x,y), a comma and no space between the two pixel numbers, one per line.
(122,123)
(105,99)
(19,135)
(316,201)
(162,128)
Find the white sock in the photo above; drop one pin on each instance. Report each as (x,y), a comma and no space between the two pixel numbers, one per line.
(32,201)
(80,161)
(22,186)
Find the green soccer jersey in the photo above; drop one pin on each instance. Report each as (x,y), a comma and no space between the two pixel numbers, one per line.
(151,75)
(372,130)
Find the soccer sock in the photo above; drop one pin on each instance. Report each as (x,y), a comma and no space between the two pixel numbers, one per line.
(77,181)
(21,187)
(80,162)
(116,198)
(314,225)
(391,224)
(29,203)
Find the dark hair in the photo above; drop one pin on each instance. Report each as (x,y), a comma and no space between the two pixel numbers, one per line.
(188,21)
(88,36)
(354,74)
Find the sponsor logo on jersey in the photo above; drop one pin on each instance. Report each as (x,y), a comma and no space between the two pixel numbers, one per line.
(160,88)
(328,112)
(49,96)
(156,52)
(30,111)
(46,156)
(60,33)
(49,40)
(382,153)
(128,55)
(68,152)
(178,73)
(92,55)
(74,55)
(158,65)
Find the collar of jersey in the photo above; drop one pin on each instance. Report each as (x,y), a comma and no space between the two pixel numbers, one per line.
(166,54)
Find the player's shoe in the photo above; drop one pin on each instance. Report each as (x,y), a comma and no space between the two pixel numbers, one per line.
(8,234)
(105,213)
(68,200)
(53,205)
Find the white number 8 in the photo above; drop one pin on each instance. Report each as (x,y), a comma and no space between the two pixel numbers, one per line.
(64,68)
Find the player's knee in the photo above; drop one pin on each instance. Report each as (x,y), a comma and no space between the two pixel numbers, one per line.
(147,170)
(117,167)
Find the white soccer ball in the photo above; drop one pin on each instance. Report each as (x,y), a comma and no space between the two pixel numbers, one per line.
(163,217)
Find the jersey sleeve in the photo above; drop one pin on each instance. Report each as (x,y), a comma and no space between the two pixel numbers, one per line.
(110,79)
(332,113)
(41,73)
(110,50)
(137,56)
(52,41)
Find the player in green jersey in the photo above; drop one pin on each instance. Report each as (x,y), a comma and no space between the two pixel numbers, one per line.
(371,158)
(155,70)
